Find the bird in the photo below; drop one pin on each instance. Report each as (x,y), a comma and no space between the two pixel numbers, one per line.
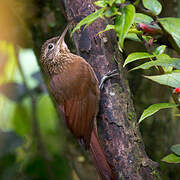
(75,90)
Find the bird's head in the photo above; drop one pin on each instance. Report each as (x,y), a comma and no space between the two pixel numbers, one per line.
(52,48)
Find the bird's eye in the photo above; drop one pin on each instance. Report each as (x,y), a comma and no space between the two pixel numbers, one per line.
(50,46)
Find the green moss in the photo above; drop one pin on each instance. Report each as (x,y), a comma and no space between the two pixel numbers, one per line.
(130,115)
(156,174)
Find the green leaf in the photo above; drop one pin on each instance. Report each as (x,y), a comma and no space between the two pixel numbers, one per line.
(89,19)
(172,26)
(171,79)
(111,2)
(133,37)
(123,23)
(166,69)
(171,158)
(21,120)
(111,12)
(176,149)
(136,3)
(159,50)
(168,62)
(154,108)
(108,27)
(120,1)
(46,114)
(153,5)
(29,67)
(172,62)
(136,56)
(100,3)
(139,18)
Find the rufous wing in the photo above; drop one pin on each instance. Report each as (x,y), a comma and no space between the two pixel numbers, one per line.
(76,89)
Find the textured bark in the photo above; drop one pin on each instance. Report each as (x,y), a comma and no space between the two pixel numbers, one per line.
(117,120)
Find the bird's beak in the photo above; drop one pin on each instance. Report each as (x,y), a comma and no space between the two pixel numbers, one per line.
(61,39)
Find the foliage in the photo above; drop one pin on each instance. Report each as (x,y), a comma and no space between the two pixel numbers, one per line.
(147,28)
(31,140)
(154,108)
(20,154)
(175,157)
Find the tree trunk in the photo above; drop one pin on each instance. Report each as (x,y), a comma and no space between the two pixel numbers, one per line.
(117,128)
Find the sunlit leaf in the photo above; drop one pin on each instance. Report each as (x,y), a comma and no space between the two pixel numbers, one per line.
(29,65)
(169,63)
(110,2)
(153,5)
(3,61)
(136,56)
(10,67)
(166,69)
(89,19)
(172,26)
(6,110)
(142,18)
(154,108)
(171,158)
(120,1)
(136,3)
(108,27)
(46,114)
(100,3)
(159,50)
(172,62)
(123,23)
(170,79)
(21,120)
(176,149)
(111,11)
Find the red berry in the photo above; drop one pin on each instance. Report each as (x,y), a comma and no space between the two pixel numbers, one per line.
(177,90)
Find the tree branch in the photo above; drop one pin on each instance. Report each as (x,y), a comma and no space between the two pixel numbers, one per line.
(117,120)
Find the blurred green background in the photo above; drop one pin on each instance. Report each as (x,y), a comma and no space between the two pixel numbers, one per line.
(27,117)
(32,141)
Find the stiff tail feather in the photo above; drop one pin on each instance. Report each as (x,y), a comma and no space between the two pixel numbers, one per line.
(99,159)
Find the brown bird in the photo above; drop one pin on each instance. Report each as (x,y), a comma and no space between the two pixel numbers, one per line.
(75,89)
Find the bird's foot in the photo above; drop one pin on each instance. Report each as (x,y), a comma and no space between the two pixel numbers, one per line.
(83,144)
(107,76)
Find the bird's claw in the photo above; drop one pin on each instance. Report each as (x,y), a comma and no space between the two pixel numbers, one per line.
(107,76)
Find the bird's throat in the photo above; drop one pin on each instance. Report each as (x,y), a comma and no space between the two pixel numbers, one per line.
(60,63)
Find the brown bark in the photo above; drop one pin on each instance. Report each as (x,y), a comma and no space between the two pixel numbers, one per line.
(117,120)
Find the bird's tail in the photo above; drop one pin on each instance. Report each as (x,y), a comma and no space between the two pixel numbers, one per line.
(99,159)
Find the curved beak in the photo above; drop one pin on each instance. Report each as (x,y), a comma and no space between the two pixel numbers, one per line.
(61,39)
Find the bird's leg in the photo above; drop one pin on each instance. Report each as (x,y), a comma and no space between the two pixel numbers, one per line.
(82,144)
(107,76)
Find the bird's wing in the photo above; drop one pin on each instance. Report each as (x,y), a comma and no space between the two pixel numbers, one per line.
(77,90)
